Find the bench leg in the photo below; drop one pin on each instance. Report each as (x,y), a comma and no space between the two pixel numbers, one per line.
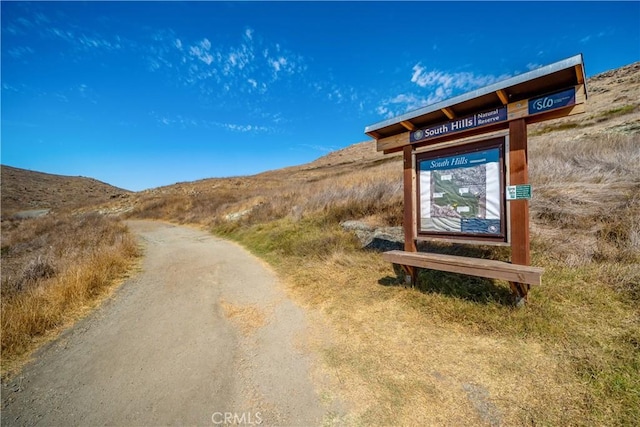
(520,292)
(411,275)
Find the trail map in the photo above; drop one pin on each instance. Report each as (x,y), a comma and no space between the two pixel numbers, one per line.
(461,193)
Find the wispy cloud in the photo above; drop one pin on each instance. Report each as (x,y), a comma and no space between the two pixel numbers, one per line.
(184,122)
(244,128)
(320,148)
(435,86)
(251,65)
(445,84)
(589,37)
(84,40)
(20,51)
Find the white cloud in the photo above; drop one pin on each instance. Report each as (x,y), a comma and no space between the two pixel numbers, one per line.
(445,84)
(244,128)
(321,148)
(437,85)
(251,65)
(201,51)
(400,104)
(278,64)
(189,122)
(589,37)
(205,44)
(87,40)
(20,51)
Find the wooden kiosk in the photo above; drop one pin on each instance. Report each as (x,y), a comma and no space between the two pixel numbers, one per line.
(466,170)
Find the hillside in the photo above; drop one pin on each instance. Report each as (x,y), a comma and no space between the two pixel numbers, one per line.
(28,190)
(453,350)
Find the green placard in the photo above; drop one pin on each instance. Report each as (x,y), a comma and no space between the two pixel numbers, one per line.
(518,192)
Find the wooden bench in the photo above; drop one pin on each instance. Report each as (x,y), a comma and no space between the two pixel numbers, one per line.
(519,276)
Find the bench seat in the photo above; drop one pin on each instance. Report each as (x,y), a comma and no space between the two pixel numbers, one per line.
(488,268)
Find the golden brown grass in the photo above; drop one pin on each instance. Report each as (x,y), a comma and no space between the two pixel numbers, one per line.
(26,190)
(248,318)
(54,268)
(453,350)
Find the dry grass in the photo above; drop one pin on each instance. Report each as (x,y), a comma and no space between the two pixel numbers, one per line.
(248,318)
(26,190)
(588,187)
(453,350)
(53,269)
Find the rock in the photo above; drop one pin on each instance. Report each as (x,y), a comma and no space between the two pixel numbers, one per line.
(296,213)
(380,239)
(237,215)
(35,213)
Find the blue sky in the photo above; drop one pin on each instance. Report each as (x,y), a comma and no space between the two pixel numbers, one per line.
(144,94)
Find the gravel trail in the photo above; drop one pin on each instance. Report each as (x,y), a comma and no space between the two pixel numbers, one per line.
(203,335)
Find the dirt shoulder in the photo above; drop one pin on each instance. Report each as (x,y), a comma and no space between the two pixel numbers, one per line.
(202,336)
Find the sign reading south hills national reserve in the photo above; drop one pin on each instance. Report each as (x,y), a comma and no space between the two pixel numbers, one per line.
(483,118)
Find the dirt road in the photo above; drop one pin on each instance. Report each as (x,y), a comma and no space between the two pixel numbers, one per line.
(203,335)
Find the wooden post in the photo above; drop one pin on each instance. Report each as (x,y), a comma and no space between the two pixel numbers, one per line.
(409,221)
(519,209)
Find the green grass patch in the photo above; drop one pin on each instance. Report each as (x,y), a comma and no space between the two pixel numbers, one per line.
(618,111)
(555,128)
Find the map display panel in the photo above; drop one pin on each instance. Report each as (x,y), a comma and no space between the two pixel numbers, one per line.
(461,193)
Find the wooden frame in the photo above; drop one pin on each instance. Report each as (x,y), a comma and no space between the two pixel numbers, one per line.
(462,150)
(507,107)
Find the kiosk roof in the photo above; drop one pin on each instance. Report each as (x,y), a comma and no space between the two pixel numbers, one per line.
(547,79)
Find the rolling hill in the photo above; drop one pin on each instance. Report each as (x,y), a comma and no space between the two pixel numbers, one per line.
(452,350)
(29,190)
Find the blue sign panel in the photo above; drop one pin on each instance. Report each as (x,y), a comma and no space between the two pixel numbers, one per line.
(553,101)
(460,193)
(458,125)
(465,160)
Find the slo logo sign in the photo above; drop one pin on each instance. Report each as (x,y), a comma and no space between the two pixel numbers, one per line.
(543,104)
(553,101)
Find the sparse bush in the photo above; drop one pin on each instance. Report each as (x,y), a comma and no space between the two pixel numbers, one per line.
(37,269)
(52,268)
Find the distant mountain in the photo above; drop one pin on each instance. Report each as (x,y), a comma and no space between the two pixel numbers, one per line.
(28,190)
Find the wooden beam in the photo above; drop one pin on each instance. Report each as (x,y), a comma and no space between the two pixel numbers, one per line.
(579,74)
(519,209)
(408,125)
(504,98)
(375,135)
(449,113)
(391,142)
(409,178)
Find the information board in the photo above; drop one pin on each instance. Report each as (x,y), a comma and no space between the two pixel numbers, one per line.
(461,191)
